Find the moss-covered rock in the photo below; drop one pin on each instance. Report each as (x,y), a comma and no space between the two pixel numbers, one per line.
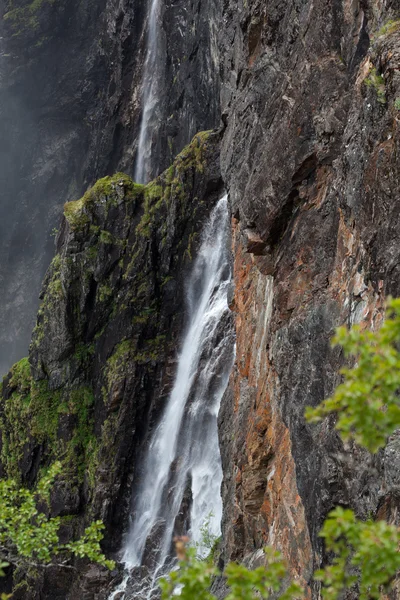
(103,350)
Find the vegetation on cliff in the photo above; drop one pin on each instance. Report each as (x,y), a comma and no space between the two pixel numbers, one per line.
(30,538)
(106,327)
(363,555)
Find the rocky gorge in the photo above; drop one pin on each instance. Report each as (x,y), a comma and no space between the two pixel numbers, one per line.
(293,108)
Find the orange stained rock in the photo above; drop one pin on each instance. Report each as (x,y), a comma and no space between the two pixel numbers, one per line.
(268,508)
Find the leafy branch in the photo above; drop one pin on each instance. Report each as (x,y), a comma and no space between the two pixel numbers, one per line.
(29,537)
(365,553)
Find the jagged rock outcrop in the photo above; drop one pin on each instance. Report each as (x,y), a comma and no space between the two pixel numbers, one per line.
(103,351)
(70,109)
(310,102)
(310,99)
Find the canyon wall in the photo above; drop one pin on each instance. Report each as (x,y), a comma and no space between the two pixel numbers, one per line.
(310,158)
(103,352)
(309,98)
(70,109)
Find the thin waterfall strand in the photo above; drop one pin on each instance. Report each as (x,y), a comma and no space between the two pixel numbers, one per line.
(149,96)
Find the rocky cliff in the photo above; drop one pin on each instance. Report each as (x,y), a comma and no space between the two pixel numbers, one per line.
(310,106)
(70,110)
(310,98)
(102,355)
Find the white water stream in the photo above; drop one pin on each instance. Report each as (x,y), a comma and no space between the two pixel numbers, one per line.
(150,95)
(184,451)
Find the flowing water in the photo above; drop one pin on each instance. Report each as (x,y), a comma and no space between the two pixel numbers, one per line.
(180,487)
(150,95)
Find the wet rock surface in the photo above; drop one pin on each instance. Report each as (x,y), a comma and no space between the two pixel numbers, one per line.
(104,347)
(310,157)
(70,110)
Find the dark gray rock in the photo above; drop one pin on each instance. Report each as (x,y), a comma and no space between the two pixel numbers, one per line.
(70,95)
(310,157)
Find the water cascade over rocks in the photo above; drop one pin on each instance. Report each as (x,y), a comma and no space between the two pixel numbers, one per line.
(179,490)
(150,96)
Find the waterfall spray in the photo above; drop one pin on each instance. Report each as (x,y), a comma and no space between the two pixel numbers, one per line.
(184,450)
(149,96)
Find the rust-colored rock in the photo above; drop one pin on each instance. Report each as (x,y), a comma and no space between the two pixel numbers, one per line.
(310,156)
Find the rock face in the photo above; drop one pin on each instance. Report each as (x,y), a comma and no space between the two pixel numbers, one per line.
(103,351)
(310,104)
(70,106)
(310,158)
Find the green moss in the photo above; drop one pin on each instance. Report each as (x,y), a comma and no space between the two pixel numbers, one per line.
(153,198)
(389,27)
(25,18)
(378,83)
(104,292)
(152,350)
(21,375)
(73,212)
(109,433)
(153,192)
(166,280)
(106,237)
(145,315)
(92,461)
(159,192)
(189,249)
(30,411)
(117,362)
(31,414)
(55,289)
(84,352)
(92,253)
(105,190)
(194,154)
(83,443)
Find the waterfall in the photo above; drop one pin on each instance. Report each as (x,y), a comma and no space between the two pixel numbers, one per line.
(183,455)
(151,81)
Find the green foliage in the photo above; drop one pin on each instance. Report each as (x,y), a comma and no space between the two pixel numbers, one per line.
(378,83)
(89,545)
(366,553)
(366,403)
(29,537)
(193,579)
(397,104)
(261,582)
(3,565)
(368,411)
(209,541)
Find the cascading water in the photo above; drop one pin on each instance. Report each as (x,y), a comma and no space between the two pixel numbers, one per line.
(183,465)
(151,82)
